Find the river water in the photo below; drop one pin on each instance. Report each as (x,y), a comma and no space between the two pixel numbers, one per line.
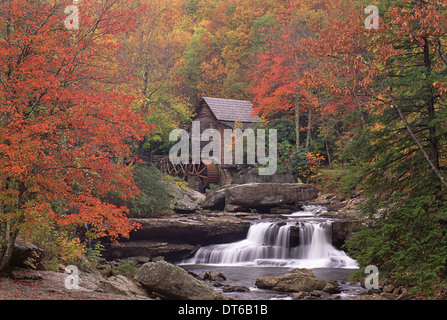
(271,248)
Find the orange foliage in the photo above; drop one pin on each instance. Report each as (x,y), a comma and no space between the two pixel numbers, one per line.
(314,162)
(63,121)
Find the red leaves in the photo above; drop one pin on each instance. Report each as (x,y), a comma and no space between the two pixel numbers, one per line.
(275,79)
(63,124)
(103,219)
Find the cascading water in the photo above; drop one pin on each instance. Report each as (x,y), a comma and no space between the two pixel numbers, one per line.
(269,244)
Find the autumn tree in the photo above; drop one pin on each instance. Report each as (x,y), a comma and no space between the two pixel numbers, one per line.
(284,83)
(63,122)
(407,132)
(394,78)
(151,53)
(217,61)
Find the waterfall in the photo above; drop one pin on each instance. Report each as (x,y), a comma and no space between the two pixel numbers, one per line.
(268,243)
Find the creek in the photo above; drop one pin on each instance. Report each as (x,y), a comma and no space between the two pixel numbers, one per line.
(275,246)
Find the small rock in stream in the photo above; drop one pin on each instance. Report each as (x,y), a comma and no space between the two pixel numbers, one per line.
(229,288)
(218,276)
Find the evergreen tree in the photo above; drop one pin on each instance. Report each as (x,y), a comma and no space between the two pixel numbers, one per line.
(404,163)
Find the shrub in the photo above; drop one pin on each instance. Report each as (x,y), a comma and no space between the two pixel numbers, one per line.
(126,268)
(301,163)
(176,180)
(306,169)
(60,246)
(71,250)
(94,255)
(409,242)
(153,195)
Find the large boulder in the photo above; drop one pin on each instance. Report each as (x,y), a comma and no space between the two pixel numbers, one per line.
(184,199)
(216,199)
(296,280)
(122,285)
(25,254)
(260,196)
(174,282)
(242,174)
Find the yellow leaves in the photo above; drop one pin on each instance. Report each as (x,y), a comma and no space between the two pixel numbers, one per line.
(440,86)
(336,91)
(238,124)
(377,127)
(71,250)
(310,170)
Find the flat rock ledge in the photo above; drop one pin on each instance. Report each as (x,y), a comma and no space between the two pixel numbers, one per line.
(259,196)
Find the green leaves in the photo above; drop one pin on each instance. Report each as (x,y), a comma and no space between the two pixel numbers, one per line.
(153,196)
(409,242)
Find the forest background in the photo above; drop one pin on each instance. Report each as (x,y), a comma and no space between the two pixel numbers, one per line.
(364,105)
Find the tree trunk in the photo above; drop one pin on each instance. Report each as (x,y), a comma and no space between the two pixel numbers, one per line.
(297,119)
(9,227)
(7,240)
(432,156)
(328,155)
(309,124)
(145,82)
(434,143)
(297,103)
(437,172)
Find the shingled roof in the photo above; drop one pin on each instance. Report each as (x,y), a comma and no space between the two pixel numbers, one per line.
(232,110)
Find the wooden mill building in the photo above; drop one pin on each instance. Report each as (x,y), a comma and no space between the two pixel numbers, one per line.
(221,114)
(212,113)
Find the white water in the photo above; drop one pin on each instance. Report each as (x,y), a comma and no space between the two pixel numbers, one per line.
(268,244)
(308,211)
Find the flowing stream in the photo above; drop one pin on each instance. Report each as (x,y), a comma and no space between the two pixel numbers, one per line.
(300,240)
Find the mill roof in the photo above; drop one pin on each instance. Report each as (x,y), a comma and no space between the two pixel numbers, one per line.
(231,110)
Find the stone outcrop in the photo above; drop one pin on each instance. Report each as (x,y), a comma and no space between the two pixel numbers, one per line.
(259,196)
(242,174)
(341,207)
(25,254)
(197,229)
(176,237)
(49,285)
(122,285)
(348,215)
(341,230)
(297,280)
(149,249)
(184,199)
(173,282)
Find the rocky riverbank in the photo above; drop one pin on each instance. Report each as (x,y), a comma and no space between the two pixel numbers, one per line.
(23,284)
(162,241)
(177,237)
(163,280)
(180,234)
